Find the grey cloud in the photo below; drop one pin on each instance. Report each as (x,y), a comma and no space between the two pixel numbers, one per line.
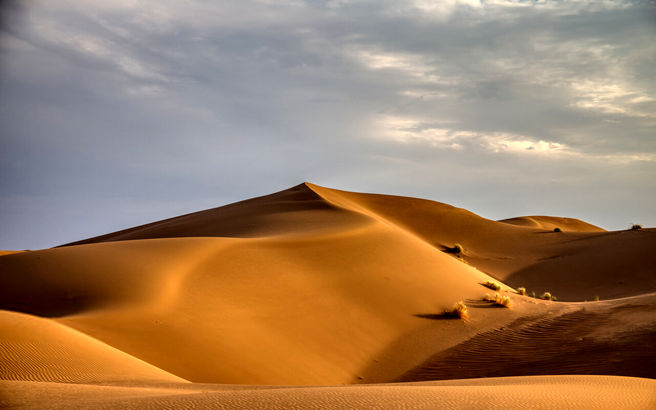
(123,106)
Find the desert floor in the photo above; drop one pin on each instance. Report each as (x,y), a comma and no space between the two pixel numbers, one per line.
(318,298)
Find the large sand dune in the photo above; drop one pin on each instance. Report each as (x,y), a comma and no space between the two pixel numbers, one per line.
(315,286)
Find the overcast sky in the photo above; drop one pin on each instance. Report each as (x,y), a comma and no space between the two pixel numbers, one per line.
(117,113)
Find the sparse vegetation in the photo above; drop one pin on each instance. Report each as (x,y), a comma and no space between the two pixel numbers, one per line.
(596,299)
(459,310)
(457,249)
(546,296)
(498,300)
(635,227)
(532,294)
(521,291)
(557,229)
(492,285)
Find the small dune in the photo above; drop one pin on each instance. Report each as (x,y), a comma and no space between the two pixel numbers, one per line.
(36,349)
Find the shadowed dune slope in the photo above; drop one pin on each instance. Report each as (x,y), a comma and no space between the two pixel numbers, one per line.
(537,392)
(608,338)
(37,349)
(608,265)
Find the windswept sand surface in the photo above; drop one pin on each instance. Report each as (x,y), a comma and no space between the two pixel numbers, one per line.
(318,287)
(538,392)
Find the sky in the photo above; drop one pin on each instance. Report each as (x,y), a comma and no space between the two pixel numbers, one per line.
(118,113)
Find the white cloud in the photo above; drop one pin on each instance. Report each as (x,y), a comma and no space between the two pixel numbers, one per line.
(610,97)
(407,130)
(413,66)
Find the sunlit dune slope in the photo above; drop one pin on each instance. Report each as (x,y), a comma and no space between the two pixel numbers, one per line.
(579,263)
(37,349)
(538,392)
(291,310)
(8,252)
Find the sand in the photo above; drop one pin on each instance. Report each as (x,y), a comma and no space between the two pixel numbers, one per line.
(316,287)
(537,392)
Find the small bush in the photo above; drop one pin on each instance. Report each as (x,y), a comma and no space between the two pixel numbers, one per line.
(492,285)
(459,310)
(498,300)
(557,230)
(533,294)
(546,296)
(521,291)
(635,227)
(456,250)
(554,298)
(596,299)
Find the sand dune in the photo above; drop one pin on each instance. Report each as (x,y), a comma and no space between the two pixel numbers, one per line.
(287,212)
(37,349)
(298,297)
(552,222)
(521,251)
(316,286)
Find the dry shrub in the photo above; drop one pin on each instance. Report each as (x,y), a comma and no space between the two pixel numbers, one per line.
(498,300)
(459,310)
(521,291)
(492,285)
(457,249)
(546,296)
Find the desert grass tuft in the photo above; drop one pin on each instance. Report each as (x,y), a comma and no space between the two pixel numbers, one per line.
(457,249)
(596,298)
(546,296)
(521,290)
(459,310)
(498,300)
(492,285)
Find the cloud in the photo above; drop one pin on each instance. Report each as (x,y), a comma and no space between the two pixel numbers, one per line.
(159,100)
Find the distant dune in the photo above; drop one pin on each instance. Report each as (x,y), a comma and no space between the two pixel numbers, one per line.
(553,222)
(313,286)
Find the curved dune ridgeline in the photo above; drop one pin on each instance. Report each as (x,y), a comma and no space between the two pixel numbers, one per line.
(314,286)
